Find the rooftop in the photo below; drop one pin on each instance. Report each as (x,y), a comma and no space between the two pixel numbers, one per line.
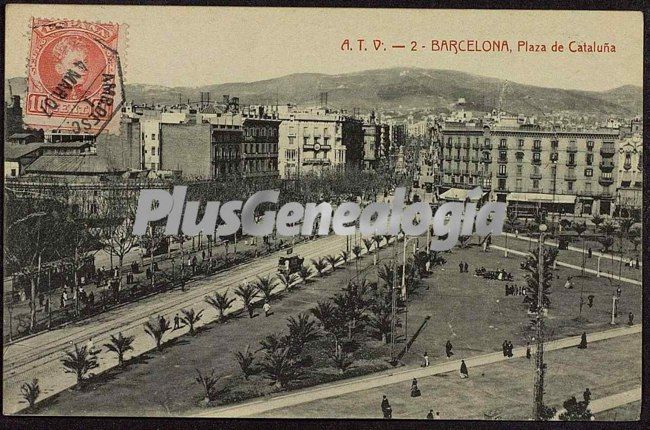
(70,164)
(14,151)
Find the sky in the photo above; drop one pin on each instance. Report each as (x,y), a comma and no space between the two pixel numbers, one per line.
(193,46)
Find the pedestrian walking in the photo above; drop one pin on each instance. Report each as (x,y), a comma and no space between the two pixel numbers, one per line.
(528,350)
(426,360)
(177,322)
(583,341)
(510,347)
(504,347)
(463,370)
(589,252)
(465,266)
(448,348)
(62,301)
(386,409)
(630,318)
(415,391)
(267,309)
(430,414)
(587,395)
(437,416)
(460,267)
(618,292)
(47,306)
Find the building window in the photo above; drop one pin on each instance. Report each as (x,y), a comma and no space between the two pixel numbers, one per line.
(569,186)
(13,172)
(502,143)
(153,150)
(153,136)
(589,173)
(519,169)
(588,187)
(554,144)
(503,155)
(518,186)
(520,143)
(590,145)
(502,169)
(589,159)
(537,144)
(625,184)
(536,156)
(536,184)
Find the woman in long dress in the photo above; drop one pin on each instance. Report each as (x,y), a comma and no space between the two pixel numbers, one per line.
(463,370)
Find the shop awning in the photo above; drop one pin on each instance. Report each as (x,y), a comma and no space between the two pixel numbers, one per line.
(541,198)
(457,195)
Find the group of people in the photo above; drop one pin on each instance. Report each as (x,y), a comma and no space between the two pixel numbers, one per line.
(448,353)
(499,274)
(513,290)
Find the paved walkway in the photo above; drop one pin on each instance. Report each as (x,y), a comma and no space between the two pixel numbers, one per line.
(257,407)
(573,266)
(610,402)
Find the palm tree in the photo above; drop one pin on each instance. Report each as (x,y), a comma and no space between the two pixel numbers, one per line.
(580,229)
(351,304)
(273,342)
(377,239)
(608,228)
(190,318)
(280,368)
(367,243)
(120,345)
(345,257)
(386,273)
(265,285)
(356,250)
(247,293)
(156,328)
(381,322)
(246,361)
(305,272)
(30,392)
(79,362)
(220,302)
(532,278)
(320,264)
(287,281)
(302,330)
(333,260)
(607,242)
(208,382)
(597,220)
(635,237)
(342,361)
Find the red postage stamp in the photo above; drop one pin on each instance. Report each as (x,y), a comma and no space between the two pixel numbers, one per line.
(75,80)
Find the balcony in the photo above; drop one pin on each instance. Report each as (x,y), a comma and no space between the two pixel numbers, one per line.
(571,163)
(570,177)
(486,160)
(502,160)
(447,157)
(455,172)
(606,167)
(456,157)
(316,161)
(537,149)
(476,145)
(605,181)
(572,147)
(466,145)
(537,175)
(606,195)
(537,162)
(607,150)
(448,145)
(457,145)
(466,158)
(487,145)
(502,175)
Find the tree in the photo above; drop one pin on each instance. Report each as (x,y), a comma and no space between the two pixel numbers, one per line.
(79,362)
(547,413)
(246,360)
(190,318)
(247,293)
(305,272)
(273,342)
(532,278)
(367,243)
(597,220)
(280,368)
(607,242)
(351,305)
(333,260)
(464,241)
(120,345)
(386,273)
(608,229)
(320,264)
(575,410)
(580,228)
(341,360)
(356,250)
(381,322)
(302,330)
(156,328)
(265,285)
(635,237)
(30,392)
(287,281)
(377,239)
(220,302)
(208,382)
(119,240)
(345,257)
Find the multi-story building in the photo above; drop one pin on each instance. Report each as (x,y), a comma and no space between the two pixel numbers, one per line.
(317,140)
(371,145)
(532,168)
(629,178)
(227,139)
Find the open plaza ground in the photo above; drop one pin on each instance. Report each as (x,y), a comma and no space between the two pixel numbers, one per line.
(470,311)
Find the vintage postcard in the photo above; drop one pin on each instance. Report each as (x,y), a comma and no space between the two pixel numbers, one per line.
(258,212)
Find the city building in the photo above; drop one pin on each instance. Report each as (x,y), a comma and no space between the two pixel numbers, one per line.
(570,172)
(316,140)
(629,180)
(18,156)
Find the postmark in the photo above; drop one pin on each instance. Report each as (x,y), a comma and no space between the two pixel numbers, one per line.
(75,80)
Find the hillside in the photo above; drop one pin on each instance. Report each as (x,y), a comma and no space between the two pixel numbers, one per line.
(404,88)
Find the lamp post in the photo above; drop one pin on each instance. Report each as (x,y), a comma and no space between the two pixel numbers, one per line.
(406,307)
(539,355)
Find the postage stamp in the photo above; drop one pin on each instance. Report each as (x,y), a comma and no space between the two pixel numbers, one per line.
(75,80)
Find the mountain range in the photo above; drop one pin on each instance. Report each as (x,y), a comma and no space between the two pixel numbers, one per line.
(399,89)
